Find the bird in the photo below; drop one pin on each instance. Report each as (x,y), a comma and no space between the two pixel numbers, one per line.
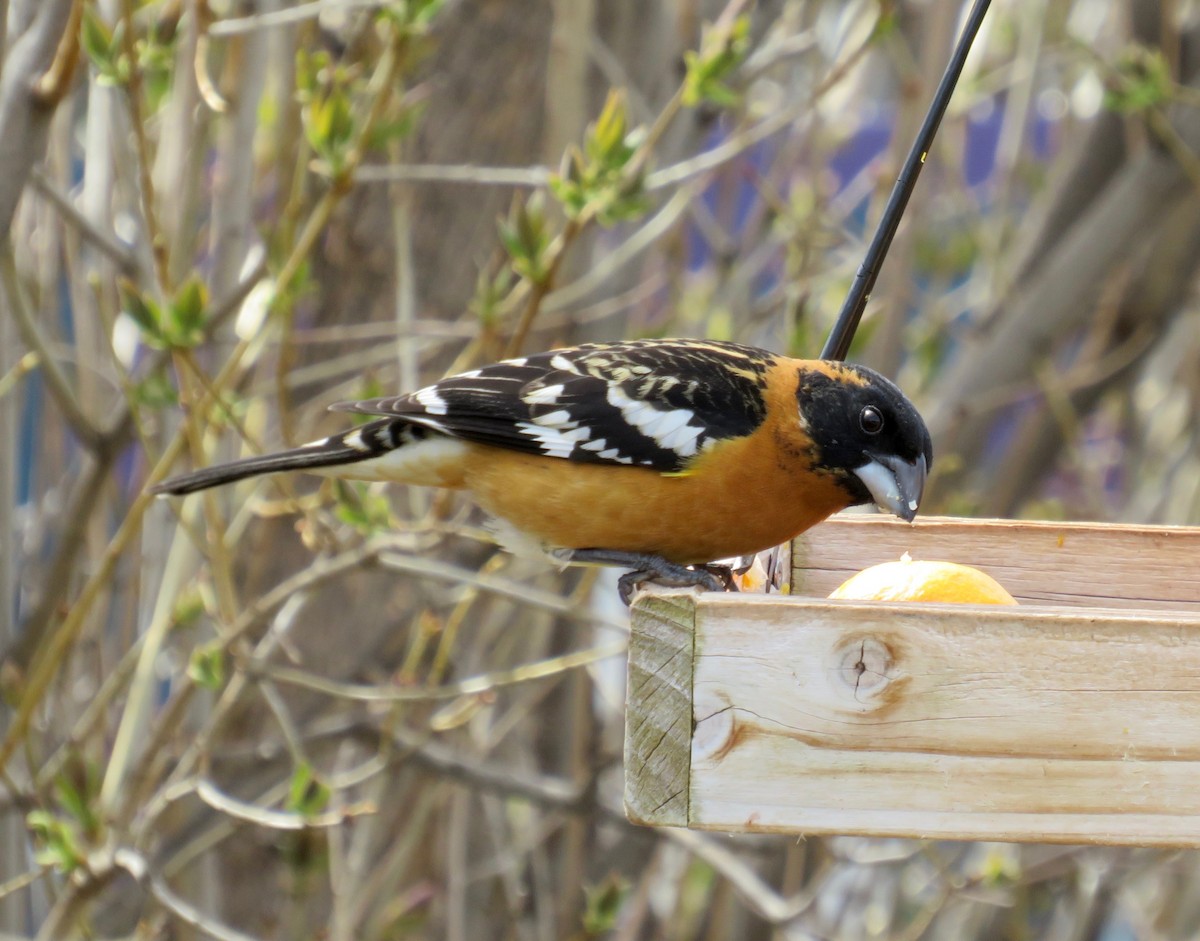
(660,456)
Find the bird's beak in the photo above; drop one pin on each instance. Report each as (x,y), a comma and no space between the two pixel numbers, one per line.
(895,485)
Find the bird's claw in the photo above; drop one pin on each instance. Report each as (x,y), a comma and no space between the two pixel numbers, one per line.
(704,577)
(648,568)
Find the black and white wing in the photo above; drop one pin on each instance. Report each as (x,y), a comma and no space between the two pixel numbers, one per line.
(648,403)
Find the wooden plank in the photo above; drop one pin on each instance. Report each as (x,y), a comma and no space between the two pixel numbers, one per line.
(1049,563)
(945,721)
(658,717)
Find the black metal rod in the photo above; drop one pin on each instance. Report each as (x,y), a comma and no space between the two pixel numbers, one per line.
(838,344)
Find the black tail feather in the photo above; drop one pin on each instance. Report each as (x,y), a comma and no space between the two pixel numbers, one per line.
(299,459)
(359,444)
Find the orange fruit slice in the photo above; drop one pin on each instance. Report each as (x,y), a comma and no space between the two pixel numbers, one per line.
(907,580)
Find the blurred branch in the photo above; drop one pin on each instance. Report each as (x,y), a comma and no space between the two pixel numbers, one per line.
(565,106)
(233,225)
(20,369)
(134,97)
(59,642)
(270,819)
(24,118)
(85,498)
(17,883)
(544,285)
(761,897)
(656,227)
(3,32)
(1058,297)
(293,589)
(741,140)
(472,686)
(383,84)
(106,242)
(60,387)
(507,588)
(189,914)
(540,789)
(1143,312)
(55,82)
(296,14)
(73,903)
(15,661)
(454,173)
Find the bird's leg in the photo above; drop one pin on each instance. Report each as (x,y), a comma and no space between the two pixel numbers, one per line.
(654,568)
(725,573)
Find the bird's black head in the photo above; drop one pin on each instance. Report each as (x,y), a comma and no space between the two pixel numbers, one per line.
(867,433)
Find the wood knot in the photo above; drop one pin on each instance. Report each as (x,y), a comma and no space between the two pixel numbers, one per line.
(716,728)
(864,665)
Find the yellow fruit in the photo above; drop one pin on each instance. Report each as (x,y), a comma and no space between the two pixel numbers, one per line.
(907,580)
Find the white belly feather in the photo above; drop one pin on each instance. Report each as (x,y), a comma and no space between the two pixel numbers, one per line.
(433,462)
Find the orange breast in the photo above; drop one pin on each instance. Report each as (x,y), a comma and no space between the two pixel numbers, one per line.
(742,496)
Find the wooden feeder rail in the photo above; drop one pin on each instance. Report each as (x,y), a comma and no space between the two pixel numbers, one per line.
(1072,718)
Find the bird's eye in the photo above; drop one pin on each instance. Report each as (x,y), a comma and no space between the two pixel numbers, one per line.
(870,420)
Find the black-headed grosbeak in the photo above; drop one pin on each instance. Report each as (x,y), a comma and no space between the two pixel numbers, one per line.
(656,455)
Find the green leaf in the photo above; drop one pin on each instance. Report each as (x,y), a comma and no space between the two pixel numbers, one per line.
(144,312)
(526,238)
(155,391)
(887,24)
(603,903)
(605,139)
(309,67)
(58,841)
(330,127)
(708,70)
(307,795)
(366,510)
(1142,81)
(490,292)
(207,667)
(188,608)
(597,180)
(156,59)
(411,16)
(97,40)
(186,313)
(393,129)
(78,802)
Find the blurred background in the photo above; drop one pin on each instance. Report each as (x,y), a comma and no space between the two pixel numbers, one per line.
(292,709)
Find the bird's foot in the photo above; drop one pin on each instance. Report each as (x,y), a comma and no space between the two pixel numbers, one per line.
(648,568)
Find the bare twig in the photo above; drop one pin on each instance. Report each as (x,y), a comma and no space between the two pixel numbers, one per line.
(17,883)
(190,915)
(24,119)
(761,898)
(120,254)
(271,819)
(20,369)
(133,88)
(53,84)
(498,585)
(454,173)
(60,387)
(540,789)
(296,14)
(473,686)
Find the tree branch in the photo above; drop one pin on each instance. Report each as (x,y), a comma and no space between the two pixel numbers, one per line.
(55,82)
(56,381)
(24,117)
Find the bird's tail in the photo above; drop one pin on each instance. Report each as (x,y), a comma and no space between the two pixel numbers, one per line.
(359,444)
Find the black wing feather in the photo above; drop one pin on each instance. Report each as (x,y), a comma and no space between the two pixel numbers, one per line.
(650,403)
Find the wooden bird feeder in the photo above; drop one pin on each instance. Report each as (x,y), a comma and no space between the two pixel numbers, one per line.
(1072,718)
